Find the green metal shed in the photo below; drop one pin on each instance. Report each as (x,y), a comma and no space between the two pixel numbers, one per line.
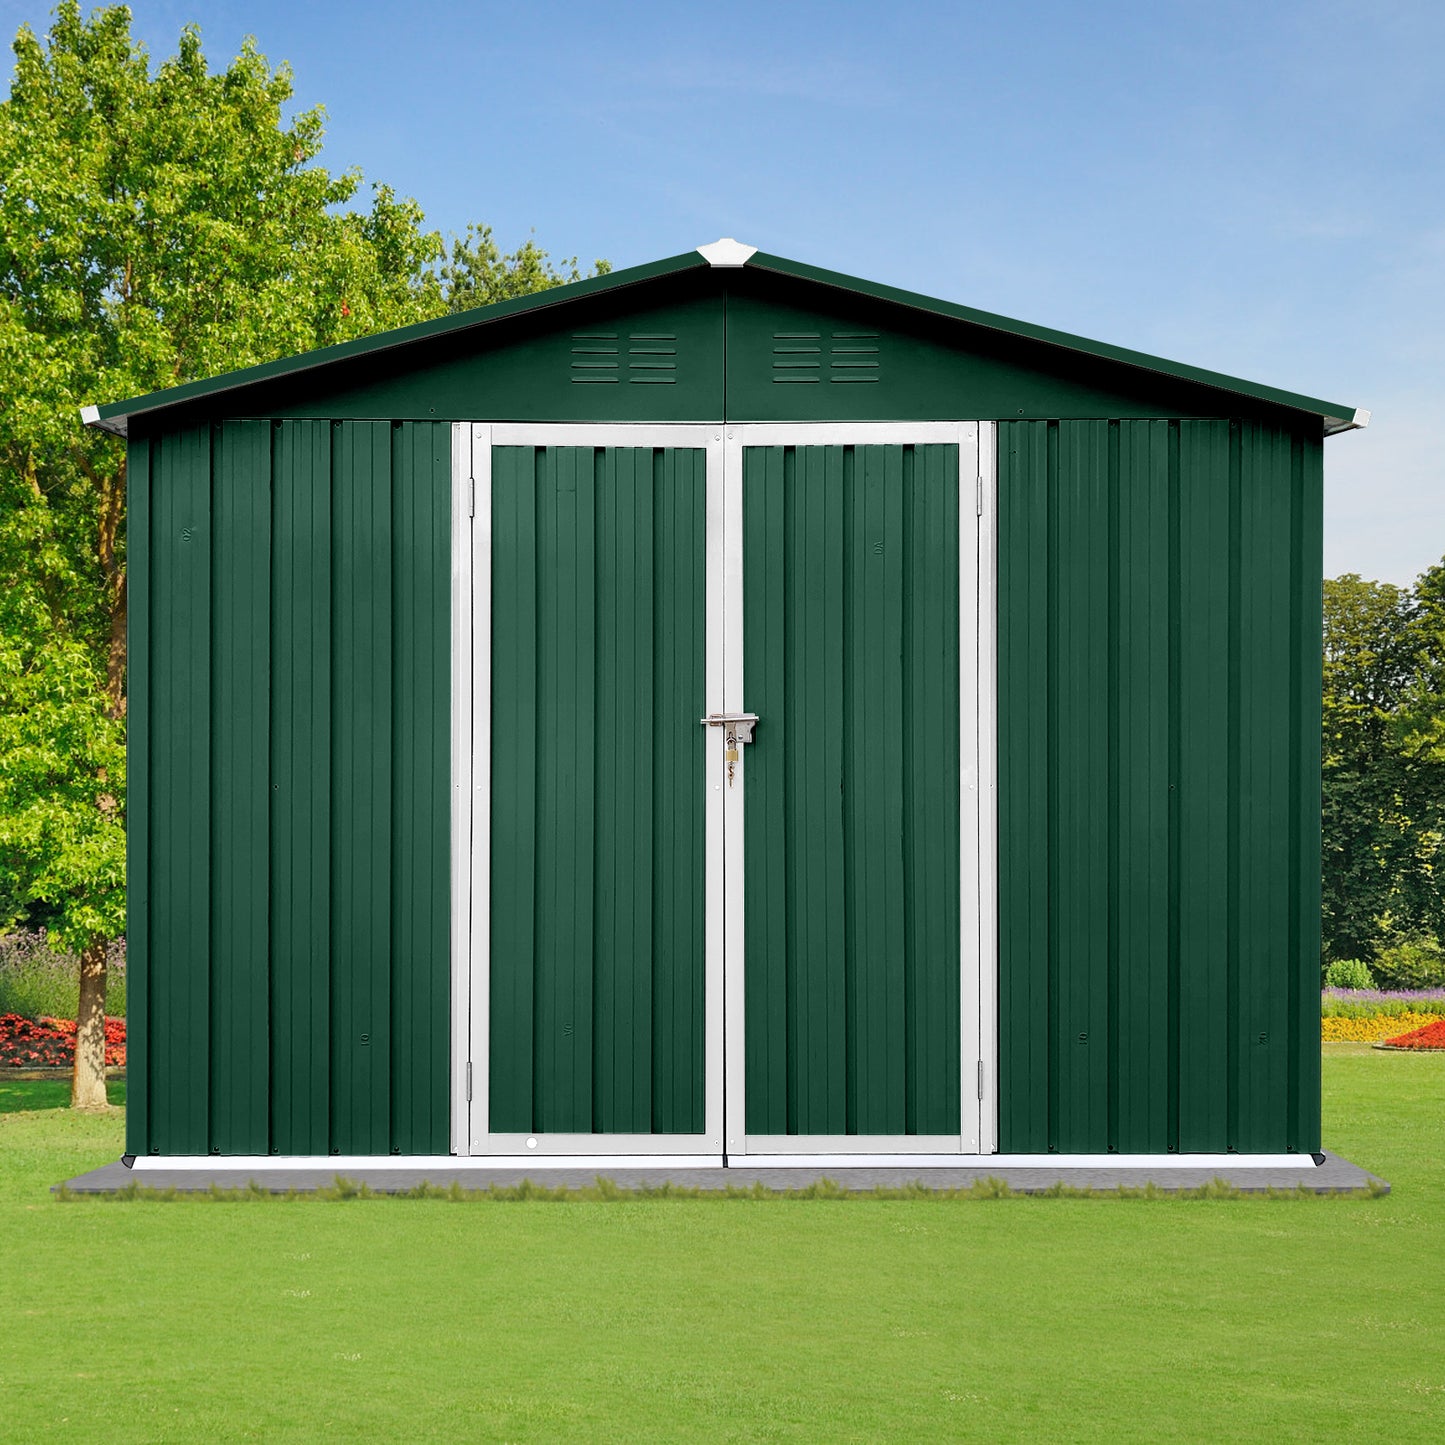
(724,710)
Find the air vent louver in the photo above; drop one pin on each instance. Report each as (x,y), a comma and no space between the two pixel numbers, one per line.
(650,358)
(799,356)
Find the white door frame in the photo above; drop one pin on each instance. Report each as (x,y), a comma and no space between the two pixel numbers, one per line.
(977,887)
(472,445)
(723,991)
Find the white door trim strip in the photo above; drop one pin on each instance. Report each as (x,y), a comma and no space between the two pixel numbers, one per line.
(725,1055)
(463,691)
(472,489)
(987,884)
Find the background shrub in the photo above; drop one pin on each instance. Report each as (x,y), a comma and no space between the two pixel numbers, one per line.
(37,980)
(1413,962)
(1348,973)
(1344,1003)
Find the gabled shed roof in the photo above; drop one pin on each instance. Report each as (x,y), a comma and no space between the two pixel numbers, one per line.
(116,416)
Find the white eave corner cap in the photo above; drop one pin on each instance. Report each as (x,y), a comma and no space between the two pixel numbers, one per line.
(1334,425)
(727,252)
(90,416)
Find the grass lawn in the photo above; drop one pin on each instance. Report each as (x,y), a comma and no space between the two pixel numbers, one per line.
(1297,1319)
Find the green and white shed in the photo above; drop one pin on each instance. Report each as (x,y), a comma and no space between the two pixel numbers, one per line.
(724,710)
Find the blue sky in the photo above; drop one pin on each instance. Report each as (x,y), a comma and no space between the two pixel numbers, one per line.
(1255,188)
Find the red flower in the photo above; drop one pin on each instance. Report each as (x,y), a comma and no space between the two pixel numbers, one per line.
(1431,1036)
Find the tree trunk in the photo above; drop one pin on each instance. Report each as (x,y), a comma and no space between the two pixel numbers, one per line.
(87,1079)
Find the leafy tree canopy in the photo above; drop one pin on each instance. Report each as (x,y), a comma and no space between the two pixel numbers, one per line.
(477,273)
(158,223)
(1383,764)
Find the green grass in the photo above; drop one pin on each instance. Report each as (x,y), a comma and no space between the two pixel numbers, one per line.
(1282,1319)
(29,1095)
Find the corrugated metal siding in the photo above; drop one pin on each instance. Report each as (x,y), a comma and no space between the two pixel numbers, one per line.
(599,639)
(852,904)
(1158,646)
(289,855)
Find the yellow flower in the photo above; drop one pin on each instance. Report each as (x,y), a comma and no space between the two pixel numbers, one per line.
(1370,1030)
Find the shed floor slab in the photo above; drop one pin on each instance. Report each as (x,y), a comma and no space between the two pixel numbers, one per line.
(1334,1176)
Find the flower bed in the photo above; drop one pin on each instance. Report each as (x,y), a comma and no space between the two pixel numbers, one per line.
(1371,1028)
(1429,1038)
(48,1043)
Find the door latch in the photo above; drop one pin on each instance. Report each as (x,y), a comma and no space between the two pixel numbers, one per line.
(739,727)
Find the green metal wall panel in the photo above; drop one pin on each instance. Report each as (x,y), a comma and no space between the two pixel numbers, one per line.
(1158,834)
(1207,580)
(240,777)
(178,973)
(852,886)
(599,642)
(138,794)
(289,933)
(421,780)
(1078,725)
(1027,1006)
(1307,634)
(1139,794)
(361,841)
(1265,737)
(301,630)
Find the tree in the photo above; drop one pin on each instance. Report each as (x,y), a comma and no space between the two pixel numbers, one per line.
(477,273)
(1383,794)
(156,225)
(62,779)
(1419,727)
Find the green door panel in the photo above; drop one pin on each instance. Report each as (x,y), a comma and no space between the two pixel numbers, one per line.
(598,650)
(850,564)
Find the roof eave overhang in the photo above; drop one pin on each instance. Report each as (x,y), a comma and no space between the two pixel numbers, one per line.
(115,417)
(1358,420)
(91,416)
(1334,417)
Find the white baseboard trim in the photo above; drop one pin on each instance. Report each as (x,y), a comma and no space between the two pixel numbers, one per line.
(601,1163)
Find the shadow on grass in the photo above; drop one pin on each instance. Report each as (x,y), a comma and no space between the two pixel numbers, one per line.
(24,1096)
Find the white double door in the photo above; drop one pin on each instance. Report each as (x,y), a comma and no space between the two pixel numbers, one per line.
(676,931)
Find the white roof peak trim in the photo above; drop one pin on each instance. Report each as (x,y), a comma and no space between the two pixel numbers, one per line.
(1361,418)
(727,252)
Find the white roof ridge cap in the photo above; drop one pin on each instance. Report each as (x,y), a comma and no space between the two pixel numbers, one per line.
(727,252)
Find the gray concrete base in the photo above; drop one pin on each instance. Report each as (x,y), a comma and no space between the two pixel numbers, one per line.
(1334,1176)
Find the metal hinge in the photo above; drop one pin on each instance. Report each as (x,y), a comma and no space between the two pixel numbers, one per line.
(471,512)
(469,1081)
(980,1079)
(978,501)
